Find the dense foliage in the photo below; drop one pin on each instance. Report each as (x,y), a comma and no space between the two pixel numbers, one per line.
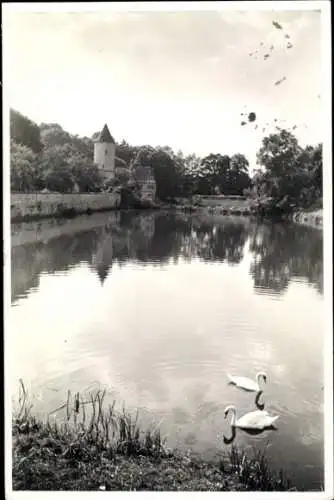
(24,131)
(47,156)
(291,176)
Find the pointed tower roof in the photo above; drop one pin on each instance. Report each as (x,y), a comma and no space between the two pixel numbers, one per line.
(105,136)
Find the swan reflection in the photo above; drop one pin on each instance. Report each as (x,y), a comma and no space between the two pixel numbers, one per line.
(250,432)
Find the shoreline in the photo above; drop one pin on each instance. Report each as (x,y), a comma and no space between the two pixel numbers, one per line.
(28,207)
(73,214)
(312,219)
(37,207)
(103,450)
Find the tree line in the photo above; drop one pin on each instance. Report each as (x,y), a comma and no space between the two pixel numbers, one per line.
(46,156)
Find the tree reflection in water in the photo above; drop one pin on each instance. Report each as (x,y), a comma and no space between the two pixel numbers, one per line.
(285,252)
(216,242)
(159,238)
(279,252)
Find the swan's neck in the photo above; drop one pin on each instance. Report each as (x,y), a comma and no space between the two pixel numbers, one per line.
(258,378)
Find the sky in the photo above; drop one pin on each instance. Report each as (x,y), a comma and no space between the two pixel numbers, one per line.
(176,78)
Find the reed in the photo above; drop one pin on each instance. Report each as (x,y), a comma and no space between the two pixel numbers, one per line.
(255,471)
(97,446)
(95,422)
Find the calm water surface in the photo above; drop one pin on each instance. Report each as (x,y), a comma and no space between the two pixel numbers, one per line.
(159,307)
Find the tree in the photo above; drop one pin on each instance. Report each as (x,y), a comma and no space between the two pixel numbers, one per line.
(239,164)
(126,152)
(143,157)
(52,134)
(189,167)
(167,174)
(75,163)
(123,175)
(279,155)
(120,163)
(57,168)
(25,172)
(164,169)
(317,170)
(24,131)
(87,176)
(84,146)
(214,172)
(289,172)
(239,179)
(311,165)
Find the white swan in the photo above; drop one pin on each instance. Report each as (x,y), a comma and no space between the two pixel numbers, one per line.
(247,383)
(258,419)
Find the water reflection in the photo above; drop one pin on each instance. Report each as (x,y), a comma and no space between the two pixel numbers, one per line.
(250,432)
(282,252)
(102,258)
(215,242)
(279,253)
(162,341)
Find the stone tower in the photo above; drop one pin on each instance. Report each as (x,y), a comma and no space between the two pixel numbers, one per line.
(104,153)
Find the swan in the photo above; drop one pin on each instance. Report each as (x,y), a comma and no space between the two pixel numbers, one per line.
(247,383)
(259,419)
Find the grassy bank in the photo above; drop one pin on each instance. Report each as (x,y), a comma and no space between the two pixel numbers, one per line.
(96,447)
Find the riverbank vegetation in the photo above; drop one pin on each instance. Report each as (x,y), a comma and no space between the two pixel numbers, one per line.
(290,178)
(47,157)
(96,447)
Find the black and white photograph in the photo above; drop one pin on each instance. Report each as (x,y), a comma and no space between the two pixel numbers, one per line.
(167,173)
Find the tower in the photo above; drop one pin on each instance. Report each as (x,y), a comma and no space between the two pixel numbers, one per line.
(104,153)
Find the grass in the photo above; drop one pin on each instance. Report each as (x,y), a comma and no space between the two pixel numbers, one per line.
(96,447)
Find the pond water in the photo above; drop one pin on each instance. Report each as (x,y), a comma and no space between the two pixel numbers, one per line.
(159,307)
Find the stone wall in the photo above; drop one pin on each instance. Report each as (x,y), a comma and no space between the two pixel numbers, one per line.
(228,202)
(39,205)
